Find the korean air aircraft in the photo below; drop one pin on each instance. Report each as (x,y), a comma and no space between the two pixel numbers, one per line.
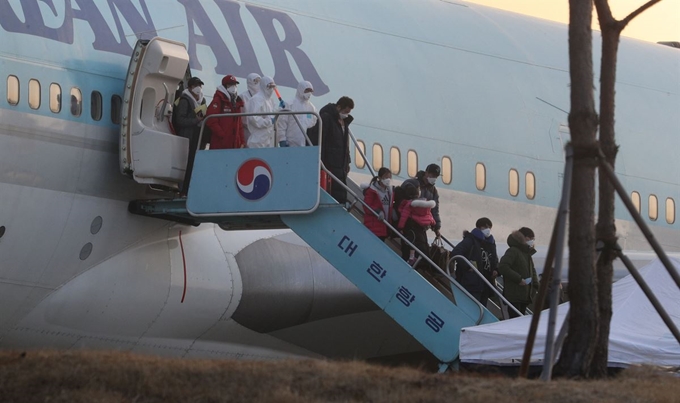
(482,93)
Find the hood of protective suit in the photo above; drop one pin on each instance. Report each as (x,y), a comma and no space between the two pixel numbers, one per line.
(264,82)
(253,87)
(302,86)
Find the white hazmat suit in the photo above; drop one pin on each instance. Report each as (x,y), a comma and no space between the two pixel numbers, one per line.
(253,88)
(287,128)
(261,127)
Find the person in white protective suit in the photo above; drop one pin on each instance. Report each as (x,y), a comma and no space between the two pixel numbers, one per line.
(288,130)
(262,127)
(253,88)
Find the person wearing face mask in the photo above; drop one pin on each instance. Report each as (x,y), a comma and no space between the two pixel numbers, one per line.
(520,281)
(287,127)
(227,131)
(253,82)
(186,117)
(427,180)
(262,127)
(415,217)
(335,142)
(479,247)
(378,196)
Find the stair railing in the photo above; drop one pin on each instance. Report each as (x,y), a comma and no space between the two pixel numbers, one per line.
(480,275)
(403,239)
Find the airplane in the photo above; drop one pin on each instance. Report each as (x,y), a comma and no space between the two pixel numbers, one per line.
(482,92)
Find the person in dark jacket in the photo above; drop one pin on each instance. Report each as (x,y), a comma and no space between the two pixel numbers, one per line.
(479,247)
(335,143)
(227,132)
(428,191)
(520,281)
(188,114)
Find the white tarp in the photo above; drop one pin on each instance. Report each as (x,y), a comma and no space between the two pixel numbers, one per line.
(638,334)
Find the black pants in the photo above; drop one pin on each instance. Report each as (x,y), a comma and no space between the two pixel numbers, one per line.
(337,191)
(417,235)
(520,307)
(193,145)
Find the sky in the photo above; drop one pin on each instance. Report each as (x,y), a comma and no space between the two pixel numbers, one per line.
(659,23)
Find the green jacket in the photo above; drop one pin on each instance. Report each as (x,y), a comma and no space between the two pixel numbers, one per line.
(515,266)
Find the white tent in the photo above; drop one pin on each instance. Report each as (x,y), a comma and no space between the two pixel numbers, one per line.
(638,335)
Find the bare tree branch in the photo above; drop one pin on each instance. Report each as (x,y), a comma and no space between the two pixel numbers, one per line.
(604,12)
(637,12)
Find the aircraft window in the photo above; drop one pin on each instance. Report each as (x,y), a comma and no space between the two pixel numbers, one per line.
(96,105)
(412,163)
(34,93)
(395,160)
(358,159)
(530,185)
(76,102)
(670,210)
(377,156)
(116,105)
(13,90)
(635,197)
(653,208)
(447,170)
(513,182)
(55,98)
(480,176)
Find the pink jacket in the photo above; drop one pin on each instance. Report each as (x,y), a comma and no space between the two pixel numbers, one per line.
(417,210)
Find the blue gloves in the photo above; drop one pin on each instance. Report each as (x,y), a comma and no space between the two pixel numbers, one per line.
(282,104)
(273,120)
(283,143)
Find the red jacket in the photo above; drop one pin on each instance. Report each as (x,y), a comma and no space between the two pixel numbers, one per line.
(227,132)
(419,211)
(373,199)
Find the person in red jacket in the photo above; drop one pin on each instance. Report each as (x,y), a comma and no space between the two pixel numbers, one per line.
(415,217)
(227,131)
(378,196)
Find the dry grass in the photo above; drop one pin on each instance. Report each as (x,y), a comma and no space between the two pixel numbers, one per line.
(123,377)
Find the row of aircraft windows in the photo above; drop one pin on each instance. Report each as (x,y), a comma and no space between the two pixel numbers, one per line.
(653,207)
(96,113)
(55,99)
(480,177)
(447,169)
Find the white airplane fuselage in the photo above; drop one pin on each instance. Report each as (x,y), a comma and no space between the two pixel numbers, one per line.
(432,81)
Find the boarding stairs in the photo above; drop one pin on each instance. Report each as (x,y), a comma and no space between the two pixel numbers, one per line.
(280,188)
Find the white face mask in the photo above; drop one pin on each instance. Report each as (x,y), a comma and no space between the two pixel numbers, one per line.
(268,92)
(306,96)
(344,115)
(386,181)
(486,232)
(197,91)
(432,180)
(530,243)
(232,89)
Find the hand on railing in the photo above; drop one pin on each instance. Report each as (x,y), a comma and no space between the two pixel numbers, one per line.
(283,143)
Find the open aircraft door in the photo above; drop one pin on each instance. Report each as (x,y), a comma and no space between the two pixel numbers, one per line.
(149,152)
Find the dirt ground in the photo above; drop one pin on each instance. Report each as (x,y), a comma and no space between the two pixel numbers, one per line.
(122,377)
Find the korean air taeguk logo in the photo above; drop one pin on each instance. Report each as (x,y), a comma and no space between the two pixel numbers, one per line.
(254,179)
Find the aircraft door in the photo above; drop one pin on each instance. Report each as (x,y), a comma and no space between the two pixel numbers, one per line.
(149,151)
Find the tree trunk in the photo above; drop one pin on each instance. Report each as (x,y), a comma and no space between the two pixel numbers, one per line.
(578,349)
(606,225)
